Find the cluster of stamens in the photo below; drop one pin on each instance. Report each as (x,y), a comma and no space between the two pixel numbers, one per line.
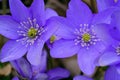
(85,36)
(118,50)
(29,32)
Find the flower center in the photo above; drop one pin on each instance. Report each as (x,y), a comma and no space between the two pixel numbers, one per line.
(86,37)
(29,32)
(32,32)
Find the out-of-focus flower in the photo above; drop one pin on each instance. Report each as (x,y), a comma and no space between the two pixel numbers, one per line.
(111,55)
(104,16)
(25,69)
(112,73)
(105,4)
(28,29)
(80,36)
(82,78)
(105,9)
(38,72)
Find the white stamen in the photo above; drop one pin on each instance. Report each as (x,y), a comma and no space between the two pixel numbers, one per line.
(84,29)
(23,32)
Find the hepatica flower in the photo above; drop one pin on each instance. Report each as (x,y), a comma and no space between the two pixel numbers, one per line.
(31,72)
(28,29)
(54,74)
(112,53)
(80,36)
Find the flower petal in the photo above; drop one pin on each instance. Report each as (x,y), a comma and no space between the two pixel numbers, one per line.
(79,12)
(104,16)
(64,48)
(50,13)
(44,61)
(116,19)
(12,50)
(103,32)
(82,78)
(118,67)
(58,73)
(104,4)
(23,67)
(87,60)
(112,74)
(8,27)
(35,52)
(113,33)
(42,66)
(38,11)
(65,30)
(109,57)
(101,47)
(50,28)
(40,76)
(16,7)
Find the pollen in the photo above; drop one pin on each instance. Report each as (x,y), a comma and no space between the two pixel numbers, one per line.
(86,37)
(32,32)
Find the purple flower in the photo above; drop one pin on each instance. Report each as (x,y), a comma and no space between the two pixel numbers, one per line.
(38,72)
(104,16)
(81,78)
(80,36)
(105,4)
(112,54)
(112,73)
(28,29)
(25,69)
(105,9)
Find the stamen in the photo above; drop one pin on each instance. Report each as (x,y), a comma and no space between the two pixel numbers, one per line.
(29,31)
(85,36)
